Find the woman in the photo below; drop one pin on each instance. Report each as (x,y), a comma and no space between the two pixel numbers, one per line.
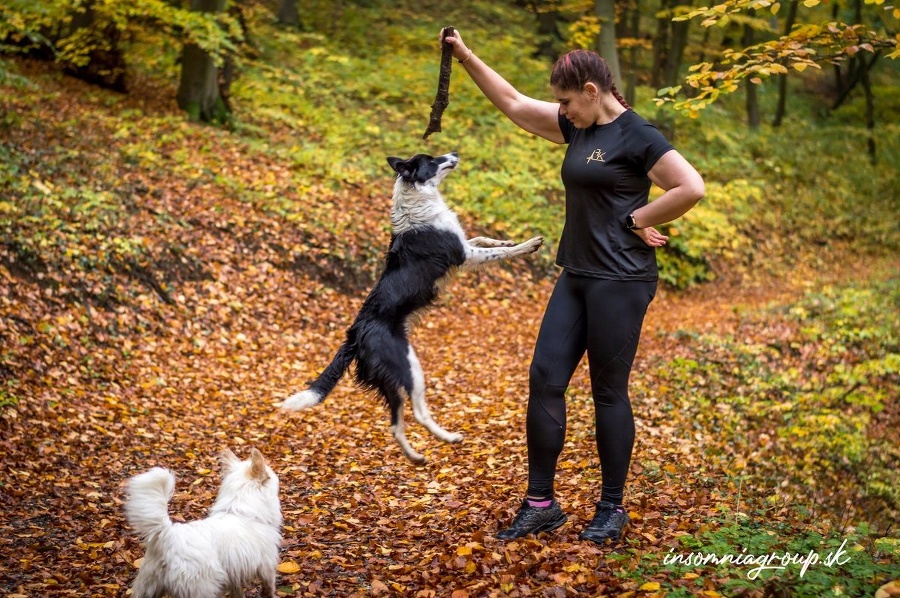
(608,260)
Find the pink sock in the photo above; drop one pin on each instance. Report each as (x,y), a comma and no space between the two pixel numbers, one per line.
(540,504)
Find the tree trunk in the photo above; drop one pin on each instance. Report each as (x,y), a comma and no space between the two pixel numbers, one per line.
(549,38)
(781,106)
(836,69)
(606,43)
(106,61)
(288,13)
(548,43)
(870,115)
(752,99)
(660,44)
(704,45)
(675,53)
(634,32)
(198,92)
(856,70)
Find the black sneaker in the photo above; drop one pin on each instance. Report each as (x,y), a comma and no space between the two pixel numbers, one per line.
(609,523)
(531,520)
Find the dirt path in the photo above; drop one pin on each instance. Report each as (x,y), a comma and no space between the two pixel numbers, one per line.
(718,306)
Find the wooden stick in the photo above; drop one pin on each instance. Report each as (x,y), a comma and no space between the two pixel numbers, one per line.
(442,99)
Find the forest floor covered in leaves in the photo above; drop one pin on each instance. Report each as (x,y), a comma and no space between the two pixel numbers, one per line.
(123,360)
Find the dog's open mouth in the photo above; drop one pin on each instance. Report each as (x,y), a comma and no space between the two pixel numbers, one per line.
(450,164)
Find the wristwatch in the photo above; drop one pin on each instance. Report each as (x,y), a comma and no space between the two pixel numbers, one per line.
(629,222)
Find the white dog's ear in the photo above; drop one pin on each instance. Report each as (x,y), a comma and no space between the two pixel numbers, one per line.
(257,466)
(228,459)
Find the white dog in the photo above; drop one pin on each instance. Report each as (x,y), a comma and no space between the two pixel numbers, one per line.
(237,543)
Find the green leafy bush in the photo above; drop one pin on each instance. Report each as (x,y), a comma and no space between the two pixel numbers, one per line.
(747,554)
(798,405)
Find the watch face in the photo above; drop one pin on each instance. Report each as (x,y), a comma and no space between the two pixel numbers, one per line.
(629,221)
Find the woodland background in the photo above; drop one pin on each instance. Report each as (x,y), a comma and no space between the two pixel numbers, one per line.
(194,201)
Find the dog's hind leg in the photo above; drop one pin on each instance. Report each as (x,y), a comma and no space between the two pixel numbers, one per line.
(268,585)
(146,586)
(142,588)
(395,402)
(420,407)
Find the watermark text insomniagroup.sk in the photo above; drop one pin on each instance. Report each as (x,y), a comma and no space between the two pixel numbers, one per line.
(758,563)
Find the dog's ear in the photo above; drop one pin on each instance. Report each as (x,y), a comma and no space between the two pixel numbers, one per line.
(257,466)
(228,459)
(399,165)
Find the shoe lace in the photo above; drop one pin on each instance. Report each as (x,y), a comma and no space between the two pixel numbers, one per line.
(603,515)
(525,511)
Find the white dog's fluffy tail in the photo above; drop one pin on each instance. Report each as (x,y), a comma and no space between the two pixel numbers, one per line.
(147,506)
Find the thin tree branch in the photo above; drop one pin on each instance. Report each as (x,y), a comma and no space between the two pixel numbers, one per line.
(442,99)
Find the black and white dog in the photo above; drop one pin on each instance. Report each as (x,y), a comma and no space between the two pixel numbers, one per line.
(427,246)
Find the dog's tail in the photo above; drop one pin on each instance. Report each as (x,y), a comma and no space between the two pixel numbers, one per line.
(147,506)
(325,383)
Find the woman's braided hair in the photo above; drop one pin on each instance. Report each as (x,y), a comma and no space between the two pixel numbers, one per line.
(578,67)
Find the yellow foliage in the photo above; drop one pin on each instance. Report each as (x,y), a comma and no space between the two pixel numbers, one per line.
(288,567)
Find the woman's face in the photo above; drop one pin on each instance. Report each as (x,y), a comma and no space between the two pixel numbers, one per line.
(579,106)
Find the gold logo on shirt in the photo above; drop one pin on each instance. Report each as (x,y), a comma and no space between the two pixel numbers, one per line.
(597,156)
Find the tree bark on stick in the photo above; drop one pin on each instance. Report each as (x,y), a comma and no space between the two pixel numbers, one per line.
(442,99)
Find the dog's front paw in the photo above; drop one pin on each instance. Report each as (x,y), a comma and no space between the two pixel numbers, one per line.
(533,244)
(454,438)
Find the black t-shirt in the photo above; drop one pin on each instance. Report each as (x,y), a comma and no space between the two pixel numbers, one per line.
(605,176)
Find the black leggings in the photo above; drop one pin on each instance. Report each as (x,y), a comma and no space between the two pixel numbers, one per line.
(604,318)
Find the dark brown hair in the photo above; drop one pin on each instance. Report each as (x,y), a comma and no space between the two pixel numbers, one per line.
(575,68)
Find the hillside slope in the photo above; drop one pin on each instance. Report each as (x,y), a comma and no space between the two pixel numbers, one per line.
(163,285)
